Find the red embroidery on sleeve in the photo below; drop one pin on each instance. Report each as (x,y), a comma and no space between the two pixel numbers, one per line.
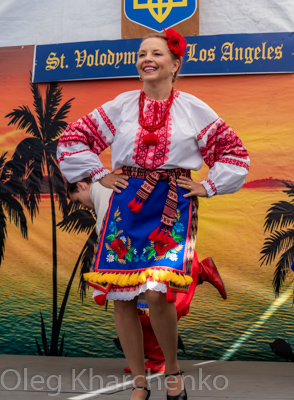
(222,141)
(64,154)
(203,132)
(68,140)
(106,120)
(212,185)
(96,172)
(234,162)
(86,131)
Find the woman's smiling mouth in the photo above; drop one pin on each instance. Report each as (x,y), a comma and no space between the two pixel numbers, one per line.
(149,68)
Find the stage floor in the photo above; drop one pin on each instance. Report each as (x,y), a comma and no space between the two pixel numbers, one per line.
(40,378)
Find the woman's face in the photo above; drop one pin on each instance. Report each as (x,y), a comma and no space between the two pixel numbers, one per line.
(155,62)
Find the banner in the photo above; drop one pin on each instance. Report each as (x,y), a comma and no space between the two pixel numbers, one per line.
(210,55)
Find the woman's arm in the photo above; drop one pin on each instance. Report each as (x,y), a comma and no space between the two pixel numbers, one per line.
(80,145)
(226,157)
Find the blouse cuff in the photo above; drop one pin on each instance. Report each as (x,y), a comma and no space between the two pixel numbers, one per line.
(210,187)
(98,174)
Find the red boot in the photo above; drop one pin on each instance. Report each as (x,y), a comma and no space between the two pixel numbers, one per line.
(209,273)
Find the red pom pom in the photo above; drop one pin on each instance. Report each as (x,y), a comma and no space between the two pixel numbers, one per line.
(153,234)
(139,207)
(151,139)
(100,299)
(166,237)
(134,206)
(159,237)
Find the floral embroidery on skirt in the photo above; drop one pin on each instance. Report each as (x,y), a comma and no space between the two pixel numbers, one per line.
(127,257)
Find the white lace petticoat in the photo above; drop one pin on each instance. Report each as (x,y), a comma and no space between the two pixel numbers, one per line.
(130,292)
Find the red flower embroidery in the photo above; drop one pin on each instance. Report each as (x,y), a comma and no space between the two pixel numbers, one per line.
(176,42)
(164,245)
(119,247)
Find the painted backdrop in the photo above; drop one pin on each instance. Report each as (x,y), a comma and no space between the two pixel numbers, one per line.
(231,227)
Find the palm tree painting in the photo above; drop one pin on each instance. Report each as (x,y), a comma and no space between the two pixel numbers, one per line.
(79,220)
(279,222)
(34,159)
(13,194)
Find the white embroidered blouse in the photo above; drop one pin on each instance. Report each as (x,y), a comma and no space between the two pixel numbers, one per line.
(193,132)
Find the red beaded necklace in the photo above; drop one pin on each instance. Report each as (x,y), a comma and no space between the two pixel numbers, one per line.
(154,125)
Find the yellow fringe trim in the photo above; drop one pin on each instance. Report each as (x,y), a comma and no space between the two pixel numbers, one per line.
(138,277)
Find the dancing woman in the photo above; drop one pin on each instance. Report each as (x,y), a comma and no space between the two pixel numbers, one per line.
(157,136)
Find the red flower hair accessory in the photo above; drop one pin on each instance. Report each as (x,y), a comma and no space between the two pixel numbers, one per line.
(176,42)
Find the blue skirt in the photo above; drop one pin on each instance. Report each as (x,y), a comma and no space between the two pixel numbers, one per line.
(126,255)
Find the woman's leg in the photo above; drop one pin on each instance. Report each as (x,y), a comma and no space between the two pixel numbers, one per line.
(163,317)
(130,334)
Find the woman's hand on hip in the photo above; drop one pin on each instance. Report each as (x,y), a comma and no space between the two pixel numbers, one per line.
(195,189)
(115,181)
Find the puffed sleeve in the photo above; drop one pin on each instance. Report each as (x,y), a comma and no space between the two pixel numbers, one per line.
(82,141)
(226,157)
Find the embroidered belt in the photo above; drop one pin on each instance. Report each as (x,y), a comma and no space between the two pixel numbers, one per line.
(151,179)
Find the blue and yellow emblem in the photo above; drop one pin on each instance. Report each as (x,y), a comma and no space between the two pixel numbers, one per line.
(159,14)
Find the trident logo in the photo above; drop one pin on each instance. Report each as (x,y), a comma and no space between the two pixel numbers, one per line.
(159,14)
(163,7)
